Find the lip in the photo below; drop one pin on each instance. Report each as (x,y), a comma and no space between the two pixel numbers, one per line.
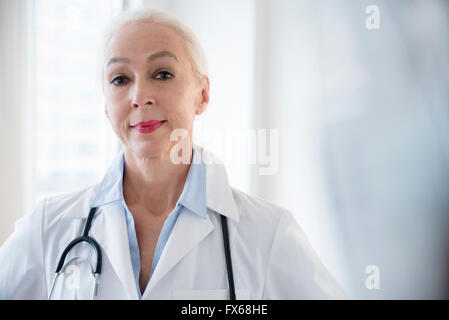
(148,126)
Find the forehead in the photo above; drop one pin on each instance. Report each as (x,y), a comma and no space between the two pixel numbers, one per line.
(139,39)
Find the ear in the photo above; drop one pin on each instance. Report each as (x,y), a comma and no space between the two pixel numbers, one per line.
(204,96)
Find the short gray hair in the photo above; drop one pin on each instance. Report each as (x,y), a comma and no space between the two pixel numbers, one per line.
(198,58)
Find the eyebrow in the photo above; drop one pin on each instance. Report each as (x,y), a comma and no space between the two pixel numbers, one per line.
(152,57)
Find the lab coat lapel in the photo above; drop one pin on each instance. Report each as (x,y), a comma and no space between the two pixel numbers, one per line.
(188,231)
(109,229)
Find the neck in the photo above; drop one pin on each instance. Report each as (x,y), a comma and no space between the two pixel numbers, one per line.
(153,184)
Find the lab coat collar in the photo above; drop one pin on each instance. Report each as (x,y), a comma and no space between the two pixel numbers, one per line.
(219,196)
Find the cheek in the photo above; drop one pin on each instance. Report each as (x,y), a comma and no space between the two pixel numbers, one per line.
(179,116)
(181,107)
(117,117)
(116,107)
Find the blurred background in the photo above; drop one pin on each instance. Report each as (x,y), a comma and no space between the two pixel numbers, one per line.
(359,91)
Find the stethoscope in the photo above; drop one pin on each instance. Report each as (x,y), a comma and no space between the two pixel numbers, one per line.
(97,272)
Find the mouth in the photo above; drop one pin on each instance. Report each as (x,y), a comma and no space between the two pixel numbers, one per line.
(148,126)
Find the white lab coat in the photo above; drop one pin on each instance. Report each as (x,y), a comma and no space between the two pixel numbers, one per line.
(271,256)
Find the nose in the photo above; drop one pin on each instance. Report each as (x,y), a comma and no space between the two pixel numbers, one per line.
(142,95)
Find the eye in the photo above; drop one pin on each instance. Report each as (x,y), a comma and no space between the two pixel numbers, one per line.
(165,75)
(118,81)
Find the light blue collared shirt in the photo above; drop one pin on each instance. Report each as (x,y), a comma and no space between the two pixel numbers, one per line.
(193,199)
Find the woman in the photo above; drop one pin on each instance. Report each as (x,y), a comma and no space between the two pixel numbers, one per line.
(157,214)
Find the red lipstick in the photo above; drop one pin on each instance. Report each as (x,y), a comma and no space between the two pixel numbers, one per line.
(148,126)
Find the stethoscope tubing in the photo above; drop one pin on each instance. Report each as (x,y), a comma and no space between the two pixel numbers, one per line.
(97,272)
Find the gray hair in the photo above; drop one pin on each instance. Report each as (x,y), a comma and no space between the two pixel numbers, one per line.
(198,58)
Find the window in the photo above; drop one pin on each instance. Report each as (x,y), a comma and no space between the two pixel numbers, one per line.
(74,142)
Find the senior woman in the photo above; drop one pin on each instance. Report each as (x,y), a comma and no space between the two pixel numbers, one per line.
(164,222)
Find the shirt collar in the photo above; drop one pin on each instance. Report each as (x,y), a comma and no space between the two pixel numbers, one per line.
(193,196)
